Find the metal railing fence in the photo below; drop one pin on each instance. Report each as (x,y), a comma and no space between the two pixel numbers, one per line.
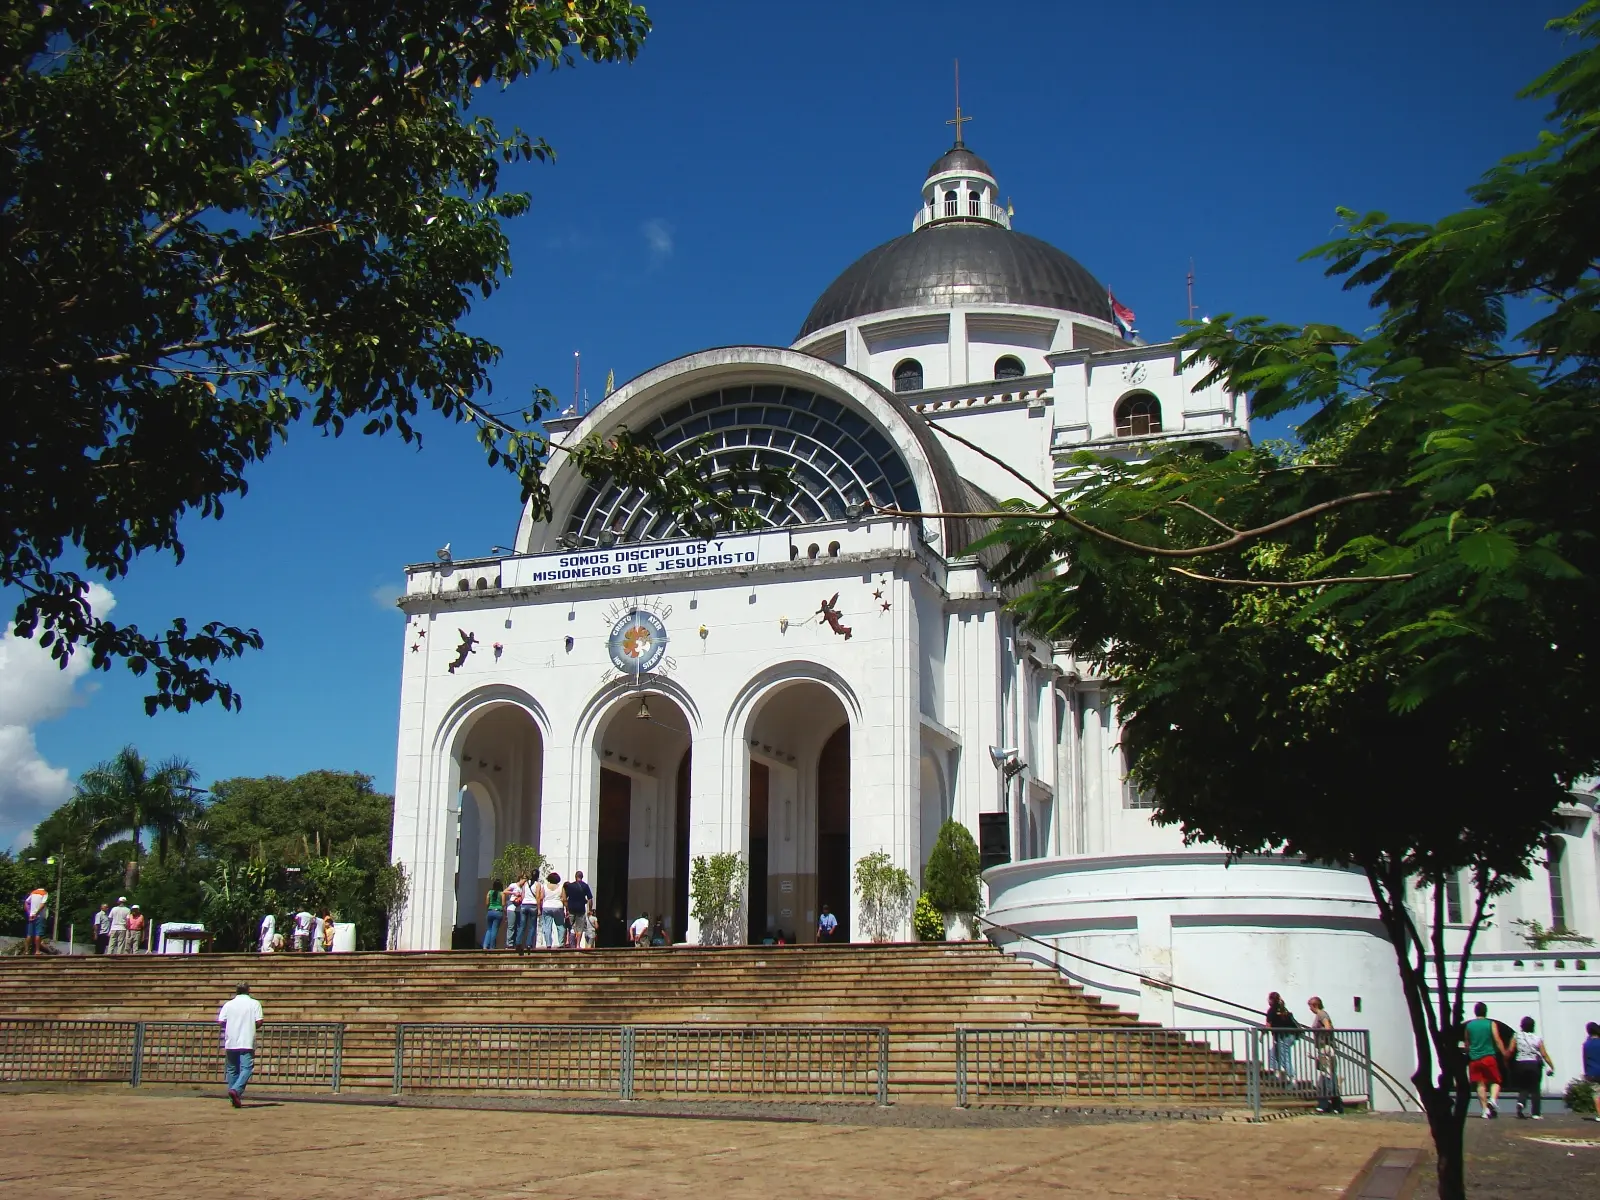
(822,1062)
(1224,1067)
(133,1052)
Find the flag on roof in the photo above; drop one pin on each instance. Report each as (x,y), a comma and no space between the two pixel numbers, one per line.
(1122,314)
(611,381)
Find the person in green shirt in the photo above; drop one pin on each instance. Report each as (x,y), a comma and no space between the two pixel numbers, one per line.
(1485,1047)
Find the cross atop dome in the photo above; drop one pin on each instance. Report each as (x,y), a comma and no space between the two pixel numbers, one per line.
(958,120)
(960,186)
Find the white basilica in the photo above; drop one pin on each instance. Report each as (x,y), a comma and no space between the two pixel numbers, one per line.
(626,696)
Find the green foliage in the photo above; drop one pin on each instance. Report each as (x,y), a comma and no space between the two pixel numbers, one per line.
(950,880)
(296,821)
(1540,938)
(1580,1096)
(235,898)
(716,893)
(927,921)
(224,221)
(1379,651)
(517,860)
(391,893)
(125,796)
(885,891)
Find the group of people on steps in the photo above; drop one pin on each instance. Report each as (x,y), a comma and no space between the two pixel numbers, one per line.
(541,914)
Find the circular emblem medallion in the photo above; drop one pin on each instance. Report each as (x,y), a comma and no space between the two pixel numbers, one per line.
(638,642)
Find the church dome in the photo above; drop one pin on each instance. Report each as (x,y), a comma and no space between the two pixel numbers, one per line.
(959,263)
(959,158)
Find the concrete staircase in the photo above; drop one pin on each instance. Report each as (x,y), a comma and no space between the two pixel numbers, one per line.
(919,991)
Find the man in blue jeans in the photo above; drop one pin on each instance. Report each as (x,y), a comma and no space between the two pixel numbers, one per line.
(238,1018)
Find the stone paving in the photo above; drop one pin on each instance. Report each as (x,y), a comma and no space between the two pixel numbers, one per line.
(55,1145)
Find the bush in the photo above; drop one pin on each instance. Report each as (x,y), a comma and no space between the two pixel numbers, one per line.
(885,891)
(1580,1096)
(716,889)
(951,876)
(927,921)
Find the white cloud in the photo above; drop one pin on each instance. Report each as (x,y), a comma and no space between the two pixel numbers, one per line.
(385,594)
(35,688)
(658,236)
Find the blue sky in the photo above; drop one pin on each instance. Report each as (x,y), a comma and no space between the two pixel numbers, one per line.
(708,193)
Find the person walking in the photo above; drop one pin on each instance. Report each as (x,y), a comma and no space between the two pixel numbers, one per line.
(493,910)
(552,910)
(827,925)
(1329,1096)
(580,903)
(1527,1070)
(1591,1063)
(639,931)
(239,1018)
(119,926)
(1279,1019)
(1485,1048)
(328,930)
(302,931)
(102,929)
(135,929)
(269,930)
(35,906)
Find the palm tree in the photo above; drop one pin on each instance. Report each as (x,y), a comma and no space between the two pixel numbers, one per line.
(124,798)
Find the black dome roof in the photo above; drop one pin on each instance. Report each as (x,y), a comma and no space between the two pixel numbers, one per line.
(959,158)
(958,262)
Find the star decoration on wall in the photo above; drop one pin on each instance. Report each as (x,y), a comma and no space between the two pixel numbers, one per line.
(885,606)
(877,593)
(415,647)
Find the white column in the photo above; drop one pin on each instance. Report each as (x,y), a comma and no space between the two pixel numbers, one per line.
(719,783)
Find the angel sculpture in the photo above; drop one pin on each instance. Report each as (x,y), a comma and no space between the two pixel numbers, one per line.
(468,641)
(830,613)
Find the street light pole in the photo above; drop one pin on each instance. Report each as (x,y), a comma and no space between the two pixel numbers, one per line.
(60,860)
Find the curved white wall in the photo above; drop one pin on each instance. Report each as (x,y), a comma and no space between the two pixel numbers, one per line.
(1235,932)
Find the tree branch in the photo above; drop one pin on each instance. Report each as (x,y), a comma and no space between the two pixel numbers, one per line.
(1292,583)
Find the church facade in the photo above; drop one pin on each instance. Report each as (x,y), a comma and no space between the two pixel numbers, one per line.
(627,697)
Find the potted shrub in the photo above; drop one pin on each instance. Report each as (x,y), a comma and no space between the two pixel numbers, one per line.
(885,892)
(927,921)
(716,895)
(951,880)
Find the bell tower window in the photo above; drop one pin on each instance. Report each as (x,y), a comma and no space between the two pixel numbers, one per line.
(952,204)
(1138,415)
(974,203)
(908,376)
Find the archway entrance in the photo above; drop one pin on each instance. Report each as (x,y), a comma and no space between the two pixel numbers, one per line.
(798,790)
(642,798)
(501,766)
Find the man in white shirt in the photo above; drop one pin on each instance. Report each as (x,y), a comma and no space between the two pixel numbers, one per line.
(639,931)
(269,926)
(102,929)
(119,926)
(36,906)
(238,1018)
(302,930)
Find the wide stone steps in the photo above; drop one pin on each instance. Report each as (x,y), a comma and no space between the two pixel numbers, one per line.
(919,992)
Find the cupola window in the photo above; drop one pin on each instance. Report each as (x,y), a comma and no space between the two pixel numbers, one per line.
(908,375)
(975,203)
(952,204)
(1138,415)
(1008,366)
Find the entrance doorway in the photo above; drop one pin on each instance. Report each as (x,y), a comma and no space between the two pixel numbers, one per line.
(798,812)
(640,816)
(833,829)
(501,763)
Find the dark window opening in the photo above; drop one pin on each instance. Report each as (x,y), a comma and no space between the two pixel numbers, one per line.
(1008,367)
(1452,900)
(974,203)
(1138,416)
(952,204)
(908,376)
(1554,852)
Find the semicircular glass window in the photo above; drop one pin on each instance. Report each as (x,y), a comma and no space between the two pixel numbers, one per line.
(834,457)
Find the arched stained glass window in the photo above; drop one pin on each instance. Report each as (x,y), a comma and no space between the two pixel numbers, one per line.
(1138,415)
(908,376)
(834,457)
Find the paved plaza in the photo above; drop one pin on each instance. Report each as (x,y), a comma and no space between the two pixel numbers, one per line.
(55,1145)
